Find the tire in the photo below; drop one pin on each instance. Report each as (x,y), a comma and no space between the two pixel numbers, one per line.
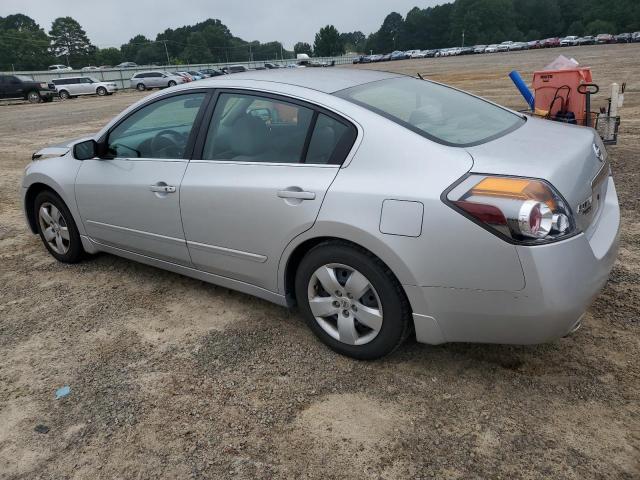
(375,323)
(101,91)
(140,87)
(52,229)
(64,95)
(34,97)
(171,84)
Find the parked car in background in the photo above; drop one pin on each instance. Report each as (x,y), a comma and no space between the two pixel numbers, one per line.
(155,79)
(479,48)
(59,68)
(635,36)
(466,50)
(127,65)
(384,58)
(359,59)
(212,72)
(552,42)
(491,48)
(605,38)
(437,215)
(587,40)
(21,86)
(569,41)
(515,46)
(69,87)
(624,38)
(505,46)
(534,44)
(105,67)
(399,55)
(430,53)
(198,75)
(411,53)
(186,76)
(271,66)
(419,54)
(234,69)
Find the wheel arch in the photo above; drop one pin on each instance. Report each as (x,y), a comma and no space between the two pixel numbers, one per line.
(295,252)
(29,202)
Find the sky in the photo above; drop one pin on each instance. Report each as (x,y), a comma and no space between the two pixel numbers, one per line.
(110,23)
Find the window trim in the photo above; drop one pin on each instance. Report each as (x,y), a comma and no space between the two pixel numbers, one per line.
(317,110)
(188,151)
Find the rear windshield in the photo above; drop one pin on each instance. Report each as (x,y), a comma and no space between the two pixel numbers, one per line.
(440,113)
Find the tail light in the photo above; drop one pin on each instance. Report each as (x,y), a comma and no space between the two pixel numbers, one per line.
(520,210)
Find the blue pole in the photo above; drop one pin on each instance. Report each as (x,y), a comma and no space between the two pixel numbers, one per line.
(522,87)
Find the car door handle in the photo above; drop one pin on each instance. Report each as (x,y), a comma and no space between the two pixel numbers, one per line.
(299,194)
(162,188)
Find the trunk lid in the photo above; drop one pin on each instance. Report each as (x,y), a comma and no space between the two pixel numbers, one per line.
(573,159)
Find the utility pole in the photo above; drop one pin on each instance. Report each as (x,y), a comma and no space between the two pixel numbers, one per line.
(463,38)
(166,51)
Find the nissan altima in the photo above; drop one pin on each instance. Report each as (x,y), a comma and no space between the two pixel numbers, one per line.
(381,205)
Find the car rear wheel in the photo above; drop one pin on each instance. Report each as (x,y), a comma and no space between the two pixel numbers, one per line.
(64,95)
(57,229)
(140,87)
(101,91)
(172,83)
(34,97)
(352,301)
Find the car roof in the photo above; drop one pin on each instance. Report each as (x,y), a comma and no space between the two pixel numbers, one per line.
(327,80)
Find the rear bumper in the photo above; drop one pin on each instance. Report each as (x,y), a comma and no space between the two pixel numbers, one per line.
(562,280)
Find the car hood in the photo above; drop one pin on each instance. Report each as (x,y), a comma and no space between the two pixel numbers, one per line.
(564,155)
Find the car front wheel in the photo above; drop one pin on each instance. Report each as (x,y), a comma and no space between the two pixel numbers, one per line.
(352,301)
(64,95)
(34,97)
(57,229)
(172,83)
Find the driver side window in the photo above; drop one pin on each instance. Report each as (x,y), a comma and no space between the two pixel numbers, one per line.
(159,130)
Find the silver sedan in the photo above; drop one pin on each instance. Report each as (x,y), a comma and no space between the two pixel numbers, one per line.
(381,205)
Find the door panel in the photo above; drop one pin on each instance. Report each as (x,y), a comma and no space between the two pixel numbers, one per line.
(239,217)
(120,207)
(132,200)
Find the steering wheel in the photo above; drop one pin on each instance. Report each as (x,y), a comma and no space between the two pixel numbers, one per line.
(168,143)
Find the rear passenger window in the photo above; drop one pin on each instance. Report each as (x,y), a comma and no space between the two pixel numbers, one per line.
(331,141)
(248,128)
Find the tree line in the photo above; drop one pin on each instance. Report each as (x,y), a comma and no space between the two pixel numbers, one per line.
(24,45)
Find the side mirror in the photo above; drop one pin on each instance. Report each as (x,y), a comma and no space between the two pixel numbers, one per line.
(87,150)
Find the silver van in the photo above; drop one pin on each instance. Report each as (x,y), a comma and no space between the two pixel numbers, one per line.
(74,86)
(155,79)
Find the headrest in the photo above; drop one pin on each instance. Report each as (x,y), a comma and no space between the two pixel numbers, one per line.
(249,136)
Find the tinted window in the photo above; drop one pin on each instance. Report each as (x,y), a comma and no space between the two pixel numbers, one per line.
(154,75)
(159,130)
(437,112)
(331,141)
(249,128)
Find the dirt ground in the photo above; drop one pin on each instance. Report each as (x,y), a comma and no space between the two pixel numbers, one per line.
(174,378)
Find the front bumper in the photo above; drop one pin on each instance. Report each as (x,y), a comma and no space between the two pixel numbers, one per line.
(562,280)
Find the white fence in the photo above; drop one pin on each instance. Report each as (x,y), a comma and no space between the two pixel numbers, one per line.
(122,76)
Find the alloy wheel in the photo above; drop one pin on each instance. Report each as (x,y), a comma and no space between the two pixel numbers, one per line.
(345,304)
(54,228)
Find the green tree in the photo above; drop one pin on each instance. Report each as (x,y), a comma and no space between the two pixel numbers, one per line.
(108,56)
(327,42)
(23,44)
(576,28)
(70,42)
(197,50)
(599,26)
(302,47)
(353,41)
(131,49)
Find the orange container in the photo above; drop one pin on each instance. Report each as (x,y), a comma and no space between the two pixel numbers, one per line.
(548,84)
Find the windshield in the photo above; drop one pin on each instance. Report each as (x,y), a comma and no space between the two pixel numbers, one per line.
(440,113)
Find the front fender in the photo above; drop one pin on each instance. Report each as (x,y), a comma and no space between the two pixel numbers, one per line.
(57,174)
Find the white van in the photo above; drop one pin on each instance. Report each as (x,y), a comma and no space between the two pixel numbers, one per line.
(74,86)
